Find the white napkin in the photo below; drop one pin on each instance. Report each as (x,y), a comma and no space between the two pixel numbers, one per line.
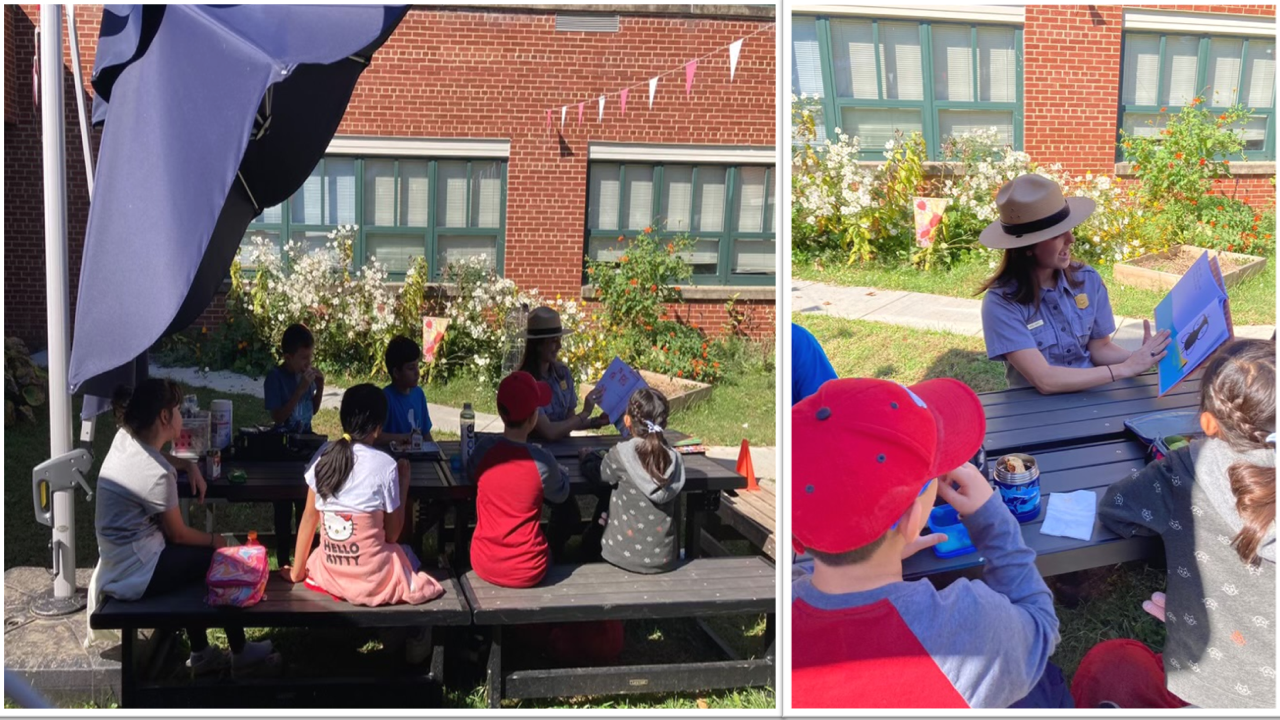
(1071,514)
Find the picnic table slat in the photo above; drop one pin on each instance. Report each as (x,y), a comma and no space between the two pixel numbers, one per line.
(284,605)
(1046,420)
(1000,397)
(1041,404)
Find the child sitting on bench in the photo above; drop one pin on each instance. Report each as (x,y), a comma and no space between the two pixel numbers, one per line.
(646,475)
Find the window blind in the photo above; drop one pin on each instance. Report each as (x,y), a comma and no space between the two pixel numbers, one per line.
(952,63)
(1183,57)
(710,212)
(605,193)
(677,203)
(379,192)
(415,200)
(452,200)
(341,191)
(1260,74)
(997,65)
(855,60)
(486,195)
(751,199)
(1141,74)
(639,179)
(901,62)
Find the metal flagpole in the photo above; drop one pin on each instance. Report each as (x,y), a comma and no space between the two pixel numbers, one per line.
(65,597)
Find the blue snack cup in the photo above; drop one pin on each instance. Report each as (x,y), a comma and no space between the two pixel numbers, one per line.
(944,519)
(1020,491)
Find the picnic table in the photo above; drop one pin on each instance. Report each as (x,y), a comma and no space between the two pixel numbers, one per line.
(1080,443)
(433,480)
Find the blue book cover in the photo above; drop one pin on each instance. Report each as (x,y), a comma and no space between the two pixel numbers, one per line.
(1198,317)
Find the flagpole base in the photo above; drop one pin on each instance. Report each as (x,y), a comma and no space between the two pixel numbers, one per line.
(46,605)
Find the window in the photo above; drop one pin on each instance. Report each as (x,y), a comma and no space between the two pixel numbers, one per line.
(1169,70)
(445,210)
(728,211)
(879,76)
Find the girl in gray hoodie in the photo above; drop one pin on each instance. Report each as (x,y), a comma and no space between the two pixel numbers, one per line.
(1213,503)
(646,476)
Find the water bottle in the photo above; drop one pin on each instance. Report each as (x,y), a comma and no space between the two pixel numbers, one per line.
(467,423)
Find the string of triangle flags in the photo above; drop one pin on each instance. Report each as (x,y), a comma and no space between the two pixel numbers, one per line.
(690,69)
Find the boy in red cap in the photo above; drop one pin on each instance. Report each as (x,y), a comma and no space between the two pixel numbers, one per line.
(868,459)
(513,479)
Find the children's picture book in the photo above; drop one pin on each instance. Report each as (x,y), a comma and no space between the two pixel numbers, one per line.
(1197,314)
(619,381)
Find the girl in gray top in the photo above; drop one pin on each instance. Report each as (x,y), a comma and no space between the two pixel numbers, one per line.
(1213,504)
(646,476)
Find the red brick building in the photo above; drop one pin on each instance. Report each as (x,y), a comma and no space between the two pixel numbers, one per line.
(1059,81)
(445,151)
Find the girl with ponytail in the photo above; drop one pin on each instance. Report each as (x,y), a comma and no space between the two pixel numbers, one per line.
(1213,503)
(646,475)
(357,495)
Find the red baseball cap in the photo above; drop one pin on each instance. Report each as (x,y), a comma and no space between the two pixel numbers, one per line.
(862,450)
(521,396)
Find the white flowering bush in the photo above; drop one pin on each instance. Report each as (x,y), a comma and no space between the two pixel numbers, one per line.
(350,312)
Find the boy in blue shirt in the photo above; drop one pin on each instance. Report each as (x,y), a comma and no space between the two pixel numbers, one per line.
(406,402)
(293,389)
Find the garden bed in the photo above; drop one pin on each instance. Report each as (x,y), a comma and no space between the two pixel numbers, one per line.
(1161,271)
(680,393)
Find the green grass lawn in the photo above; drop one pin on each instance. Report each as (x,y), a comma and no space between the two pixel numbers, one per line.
(1253,300)
(315,653)
(1112,605)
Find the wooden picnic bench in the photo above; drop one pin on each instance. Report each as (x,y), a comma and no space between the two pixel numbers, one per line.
(285,605)
(753,514)
(599,591)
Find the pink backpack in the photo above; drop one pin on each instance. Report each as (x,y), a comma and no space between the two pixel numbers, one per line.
(237,576)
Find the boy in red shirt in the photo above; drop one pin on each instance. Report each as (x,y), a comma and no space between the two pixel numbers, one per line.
(868,459)
(513,478)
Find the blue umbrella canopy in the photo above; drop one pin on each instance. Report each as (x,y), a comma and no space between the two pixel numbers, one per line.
(209,114)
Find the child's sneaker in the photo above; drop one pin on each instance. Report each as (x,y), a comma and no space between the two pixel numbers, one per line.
(417,648)
(209,660)
(254,655)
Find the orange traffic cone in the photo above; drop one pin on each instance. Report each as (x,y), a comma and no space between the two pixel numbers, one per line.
(745,468)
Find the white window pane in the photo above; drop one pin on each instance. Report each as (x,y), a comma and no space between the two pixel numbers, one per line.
(415,200)
(755,257)
(1254,131)
(769,206)
(452,203)
(677,198)
(272,215)
(901,62)
(952,63)
(395,252)
(605,190)
(709,214)
(1141,70)
(1260,74)
(1182,54)
(1224,70)
(1136,124)
(704,256)
(854,59)
(997,65)
(876,127)
(959,122)
(751,195)
(455,248)
(806,64)
(639,179)
(312,241)
(340,195)
(379,192)
(486,195)
(304,206)
(606,249)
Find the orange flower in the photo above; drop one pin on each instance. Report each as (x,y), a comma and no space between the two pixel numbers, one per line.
(623,260)
(1193,202)
(1170,166)
(1226,162)
(621,238)
(648,229)
(1211,224)
(204,330)
(653,287)
(1223,117)
(1163,109)
(715,364)
(1257,218)
(1219,207)
(634,281)
(1136,166)
(589,270)
(677,288)
(1203,161)
(673,333)
(671,248)
(679,373)
(1178,156)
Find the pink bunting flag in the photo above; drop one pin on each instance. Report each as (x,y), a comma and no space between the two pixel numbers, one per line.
(689,69)
(549,118)
(623,97)
(580,112)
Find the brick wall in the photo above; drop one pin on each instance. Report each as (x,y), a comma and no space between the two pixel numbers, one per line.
(24,266)
(1072,86)
(466,74)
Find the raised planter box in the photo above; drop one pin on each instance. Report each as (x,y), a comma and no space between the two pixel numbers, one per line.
(680,393)
(1161,271)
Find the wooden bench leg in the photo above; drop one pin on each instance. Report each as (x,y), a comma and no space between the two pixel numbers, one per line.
(493,682)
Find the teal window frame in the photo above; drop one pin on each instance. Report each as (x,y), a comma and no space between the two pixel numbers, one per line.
(929,107)
(726,238)
(1202,71)
(429,233)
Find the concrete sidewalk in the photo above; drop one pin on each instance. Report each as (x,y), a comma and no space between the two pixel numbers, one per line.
(443,417)
(962,316)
